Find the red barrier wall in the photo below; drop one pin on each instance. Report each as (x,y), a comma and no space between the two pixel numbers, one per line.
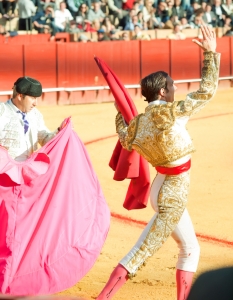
(73,65)
(39,38)
(11,65)
(224,47)
(185,60)
(40,63)
(231,55)
(76,65)
(2,39)
(155,56)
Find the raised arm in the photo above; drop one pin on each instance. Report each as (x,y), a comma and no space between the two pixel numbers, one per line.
(209,80)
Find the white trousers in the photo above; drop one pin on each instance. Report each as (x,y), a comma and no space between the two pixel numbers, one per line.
(184,235)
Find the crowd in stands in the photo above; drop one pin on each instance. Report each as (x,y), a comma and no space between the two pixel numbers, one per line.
(133,18)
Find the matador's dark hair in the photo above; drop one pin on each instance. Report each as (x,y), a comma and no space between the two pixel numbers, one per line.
(152,84)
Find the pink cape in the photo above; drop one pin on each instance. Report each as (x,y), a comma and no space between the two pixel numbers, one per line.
(53,217)
(127,164)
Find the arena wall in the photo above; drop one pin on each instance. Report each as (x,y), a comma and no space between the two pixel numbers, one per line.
(69,74)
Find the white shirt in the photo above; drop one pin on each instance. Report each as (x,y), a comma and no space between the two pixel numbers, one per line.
(218,10)
(25,148)
(20,145)
(62,17)
(208,17)
(26,9)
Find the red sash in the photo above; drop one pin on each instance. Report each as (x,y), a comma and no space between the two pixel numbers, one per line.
(174,170)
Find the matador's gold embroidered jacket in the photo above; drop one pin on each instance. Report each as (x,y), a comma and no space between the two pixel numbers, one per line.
(160,134)
(12,131)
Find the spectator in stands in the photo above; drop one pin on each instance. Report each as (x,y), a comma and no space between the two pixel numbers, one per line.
(197,22)
(116,12)
(136,7)
(2,11)
(192,9)
(184,23)
(38,5)
(145,25)
(81,16)
(107,25)
(140,4)
(129,18)
(104,6)
(177,34)
(57,2)
(131,24)
(147,10)
(171,22)
(51,3)
(62,18)
(155,21)
(7,33)
(26,9)
(139,34)
(227,23)
(209,16)
(96,25)
(228,8)
(178,10)
(112,35)
(203,5)
(219,12)
(74,27)
(130,4)
(198,12)
(73,5)
(140,17)
(115,8)
(10,5)
(162,12)
(170,5)
(87,26)
(96,12)
(142,22)
(125,36)
(101,36)
(186,4)
(229,32)
(44,20)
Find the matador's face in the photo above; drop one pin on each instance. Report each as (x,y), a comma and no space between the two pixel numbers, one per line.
(170,91)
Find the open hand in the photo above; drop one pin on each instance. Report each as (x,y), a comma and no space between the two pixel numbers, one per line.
(209,39)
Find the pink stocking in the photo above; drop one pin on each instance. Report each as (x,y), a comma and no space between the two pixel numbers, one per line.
(115,282)
(184,282)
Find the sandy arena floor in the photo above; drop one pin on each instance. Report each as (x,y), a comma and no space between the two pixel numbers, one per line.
(210,200)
